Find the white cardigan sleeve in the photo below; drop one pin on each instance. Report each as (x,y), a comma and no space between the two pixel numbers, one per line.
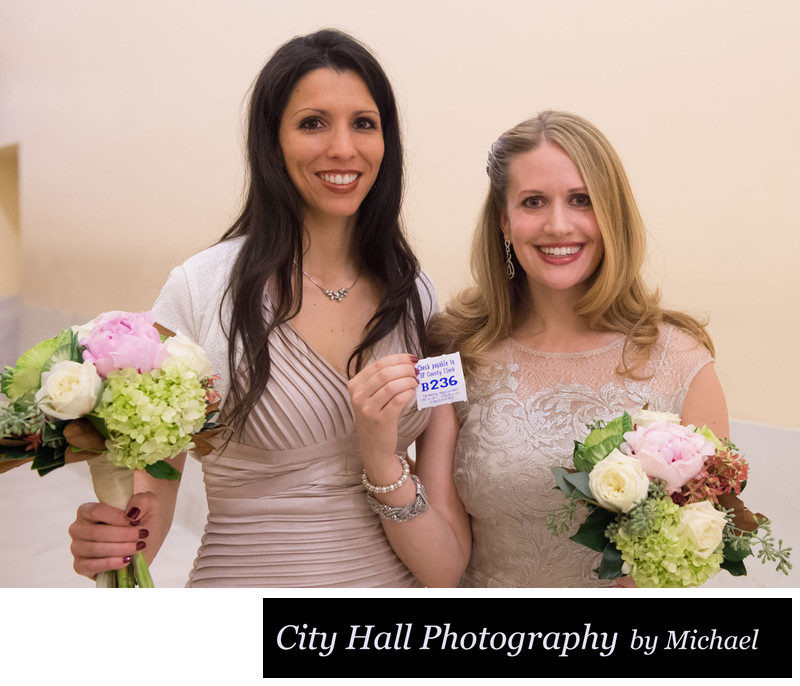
(191,302)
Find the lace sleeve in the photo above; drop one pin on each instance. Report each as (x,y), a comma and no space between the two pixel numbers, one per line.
(679,357)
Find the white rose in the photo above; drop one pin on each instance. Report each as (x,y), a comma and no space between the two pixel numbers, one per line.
(618,482)
(181,348)
(703,523)
(69,390)
(644,418)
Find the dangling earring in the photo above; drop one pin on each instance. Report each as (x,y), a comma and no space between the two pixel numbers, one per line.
(509,263)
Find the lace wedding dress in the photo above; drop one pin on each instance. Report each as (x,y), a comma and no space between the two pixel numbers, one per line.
(522,420)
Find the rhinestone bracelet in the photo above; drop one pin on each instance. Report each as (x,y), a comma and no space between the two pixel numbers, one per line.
(405,513)
(372,488)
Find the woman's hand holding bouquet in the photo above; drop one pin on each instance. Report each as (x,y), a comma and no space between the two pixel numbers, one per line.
(116,391)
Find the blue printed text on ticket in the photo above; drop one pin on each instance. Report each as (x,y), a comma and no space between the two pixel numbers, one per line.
(441,380)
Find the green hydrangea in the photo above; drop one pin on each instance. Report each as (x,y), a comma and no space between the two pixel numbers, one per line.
(662,557)
(151,416)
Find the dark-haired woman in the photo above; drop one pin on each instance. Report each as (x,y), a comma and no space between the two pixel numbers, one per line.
(312,282)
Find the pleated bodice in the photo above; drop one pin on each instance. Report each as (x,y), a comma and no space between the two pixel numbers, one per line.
(286,503)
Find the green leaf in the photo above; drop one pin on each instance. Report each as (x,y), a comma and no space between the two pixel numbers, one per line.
(99,424)
(736,553)
(611,563)
(709,435)
(53,435)
(592,533)
(600,442)
(25,377)
(735,568)
(48,458)
(14,453)
(163,470)
(580,480)
(68,351)
(559,473)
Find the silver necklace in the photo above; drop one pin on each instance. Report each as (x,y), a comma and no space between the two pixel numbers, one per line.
(332,295)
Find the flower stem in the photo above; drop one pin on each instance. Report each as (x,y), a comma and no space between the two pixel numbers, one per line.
(125,577)
(141,571)
(106,579)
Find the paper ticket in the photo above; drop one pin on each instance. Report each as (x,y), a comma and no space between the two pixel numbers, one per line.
(441,381)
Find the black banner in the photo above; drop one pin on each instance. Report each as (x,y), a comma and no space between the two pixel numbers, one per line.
(695,636)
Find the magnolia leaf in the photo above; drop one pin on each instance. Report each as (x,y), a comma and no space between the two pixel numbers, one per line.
(202,444)
(736,553)
(592,533)
(15,453)
(53,434)
(48,458)
(734,568)
(163,470)
(743,518)
(99,425)
(611,563)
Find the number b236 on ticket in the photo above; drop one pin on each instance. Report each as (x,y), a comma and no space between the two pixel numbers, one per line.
(441,381)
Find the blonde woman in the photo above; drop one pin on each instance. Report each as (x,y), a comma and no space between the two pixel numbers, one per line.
(559,330)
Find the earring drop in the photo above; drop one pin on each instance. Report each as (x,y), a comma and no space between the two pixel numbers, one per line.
(510,271)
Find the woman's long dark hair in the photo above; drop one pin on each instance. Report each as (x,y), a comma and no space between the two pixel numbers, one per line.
(271,221)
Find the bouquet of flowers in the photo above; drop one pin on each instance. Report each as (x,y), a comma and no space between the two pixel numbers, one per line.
(663,503)
(150,397)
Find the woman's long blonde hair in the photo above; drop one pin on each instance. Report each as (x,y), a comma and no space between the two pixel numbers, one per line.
(617,300)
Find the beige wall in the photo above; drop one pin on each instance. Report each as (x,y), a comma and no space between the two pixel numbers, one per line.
(128,117)
(9,222)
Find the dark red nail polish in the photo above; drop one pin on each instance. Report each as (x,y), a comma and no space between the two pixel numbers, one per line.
(127,559)
(143,533)
(140,545)
(133,513)
(135,522)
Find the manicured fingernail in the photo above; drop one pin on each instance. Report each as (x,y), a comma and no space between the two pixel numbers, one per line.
(135,522)
(143,533)
(127,559)
(414,359)
(140,545)
(133,513)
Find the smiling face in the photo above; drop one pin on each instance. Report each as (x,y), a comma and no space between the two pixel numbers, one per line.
(550,221)
(332,143)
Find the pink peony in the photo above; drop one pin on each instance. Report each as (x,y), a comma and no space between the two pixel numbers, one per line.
(670,452)
(123,339)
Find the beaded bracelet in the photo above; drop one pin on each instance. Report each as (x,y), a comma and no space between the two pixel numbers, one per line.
(405,513)
(372,488)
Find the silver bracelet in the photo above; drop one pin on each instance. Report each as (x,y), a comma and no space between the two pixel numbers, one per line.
(372,488)
(405,513)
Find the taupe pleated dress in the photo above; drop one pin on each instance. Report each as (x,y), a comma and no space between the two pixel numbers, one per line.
(286,502)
